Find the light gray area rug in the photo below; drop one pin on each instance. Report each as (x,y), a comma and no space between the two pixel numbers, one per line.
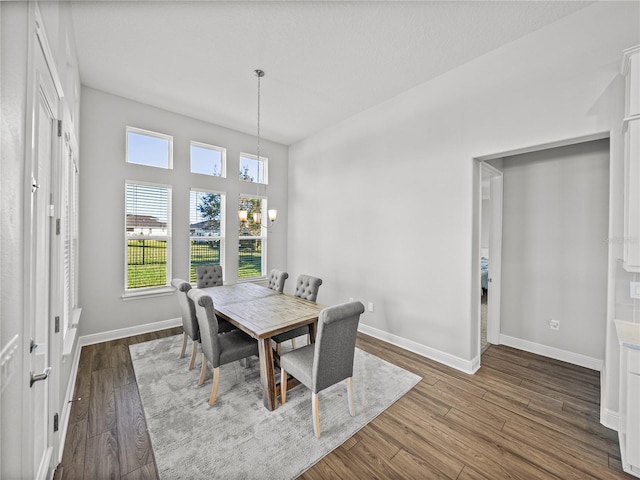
(238,438)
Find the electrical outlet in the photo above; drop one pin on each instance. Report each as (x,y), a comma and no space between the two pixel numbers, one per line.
(634,290)
(554,324)
(370,307)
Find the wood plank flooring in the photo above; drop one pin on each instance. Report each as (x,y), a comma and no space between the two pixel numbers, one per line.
(521,416)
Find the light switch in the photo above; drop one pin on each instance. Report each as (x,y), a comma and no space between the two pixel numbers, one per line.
(634,290)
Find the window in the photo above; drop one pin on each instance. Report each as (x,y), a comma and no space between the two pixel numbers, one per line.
(206,230)
(149,148)
(253,169)
(69,237)
(148,236)
(208,159)
(252,259)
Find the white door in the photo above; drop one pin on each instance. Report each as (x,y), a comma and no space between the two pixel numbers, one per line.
(41,224)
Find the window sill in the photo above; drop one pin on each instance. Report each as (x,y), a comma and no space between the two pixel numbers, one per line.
(69,338)
(147,293)
(252,280)
(71,333)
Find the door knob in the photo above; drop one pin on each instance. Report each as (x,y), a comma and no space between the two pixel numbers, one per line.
(40,376)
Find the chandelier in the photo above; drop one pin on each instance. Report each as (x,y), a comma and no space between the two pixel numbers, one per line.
(271,213)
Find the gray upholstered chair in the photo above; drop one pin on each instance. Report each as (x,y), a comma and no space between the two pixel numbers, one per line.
(219,349)
(211,276)
(190,327)
(306,287)
(208,276)
(276,280)
(329,360)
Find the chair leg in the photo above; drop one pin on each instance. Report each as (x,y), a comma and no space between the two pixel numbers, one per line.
(352,410)
(184,344)
(203,370)
(283,386)
(214,389)
(316,414)
(278,349)
(194,354)
(293,343)
(308,339)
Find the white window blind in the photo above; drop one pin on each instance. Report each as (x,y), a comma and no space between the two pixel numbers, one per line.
(148,235)
(69,220)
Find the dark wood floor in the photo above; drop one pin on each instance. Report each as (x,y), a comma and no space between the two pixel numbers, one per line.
(520,416)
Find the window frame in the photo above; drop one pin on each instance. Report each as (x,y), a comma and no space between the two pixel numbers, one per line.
(155,289)
(222,236)
(208,146)
(149,133)
(69,183)
(255,158)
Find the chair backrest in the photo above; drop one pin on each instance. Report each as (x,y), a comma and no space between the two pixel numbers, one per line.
(189,320)
(208,276)
(276,280)
(208,324)
(335,344)
(307,287)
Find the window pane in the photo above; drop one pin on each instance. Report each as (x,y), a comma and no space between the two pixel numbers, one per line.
(146,263)
(207,160)
(205,214)
(251,262)
(205,230)
(250,258)
(153,150)
(147,210)
(253,207)
(252,169)
(204,251)
(147,231)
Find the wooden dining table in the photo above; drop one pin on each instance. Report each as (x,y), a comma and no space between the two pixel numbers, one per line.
(262,313)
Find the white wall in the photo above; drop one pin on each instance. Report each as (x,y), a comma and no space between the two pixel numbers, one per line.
(102,179)
(395,184)
(554,247)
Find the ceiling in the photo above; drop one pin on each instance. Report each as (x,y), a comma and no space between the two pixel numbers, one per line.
(324,61)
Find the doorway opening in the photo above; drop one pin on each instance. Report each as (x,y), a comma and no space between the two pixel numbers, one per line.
(550,252)
(490,254)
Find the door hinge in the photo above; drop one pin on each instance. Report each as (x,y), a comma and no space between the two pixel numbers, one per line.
(55,422)
(59,128)
(57,325)
(57,226)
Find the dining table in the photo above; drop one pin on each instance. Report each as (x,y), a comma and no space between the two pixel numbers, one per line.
(262,313)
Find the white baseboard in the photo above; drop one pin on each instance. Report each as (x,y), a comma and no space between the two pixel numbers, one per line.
(129,331)
(552,352)
(609,419)
(466,366)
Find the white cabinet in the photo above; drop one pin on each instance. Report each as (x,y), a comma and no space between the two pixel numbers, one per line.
(629,426)
(631,129)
